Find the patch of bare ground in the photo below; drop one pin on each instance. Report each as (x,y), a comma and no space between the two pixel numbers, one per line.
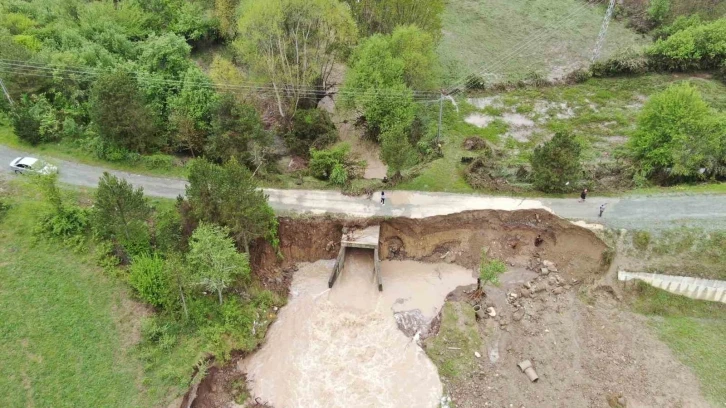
(586,349)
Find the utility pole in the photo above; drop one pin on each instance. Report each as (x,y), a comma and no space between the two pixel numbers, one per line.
(5,91)
(603,31)
(441,113)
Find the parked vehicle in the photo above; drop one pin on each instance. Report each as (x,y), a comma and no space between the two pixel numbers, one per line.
(31,165)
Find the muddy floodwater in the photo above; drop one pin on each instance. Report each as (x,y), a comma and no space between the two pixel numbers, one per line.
(342,347)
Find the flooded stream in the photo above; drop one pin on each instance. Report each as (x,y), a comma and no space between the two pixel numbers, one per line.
(342,347)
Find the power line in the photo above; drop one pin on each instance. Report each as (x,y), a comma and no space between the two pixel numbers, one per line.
(5,91)
(603,31)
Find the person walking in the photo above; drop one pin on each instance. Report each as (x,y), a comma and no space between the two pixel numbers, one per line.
(383,198)
(602,209)
(583,195)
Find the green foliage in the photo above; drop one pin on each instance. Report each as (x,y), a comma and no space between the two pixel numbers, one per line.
(490,269)
(658,10)
(120,214)
(383,71)
(294,42)
(311,128)
(226,13)
(191,111)
(695,47)
(228,195)
(627,62)
(641,240)
(384,16)
(34,120)
(339,175)
(678,135)
(60,220)
(166,54)
(236,130)
(557,163)
(120,115)
(148,275)
(323,162)
(214,259)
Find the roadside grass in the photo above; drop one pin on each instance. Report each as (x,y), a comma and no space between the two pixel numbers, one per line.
(681,251)
(696,332)
(164,166)
(512,38)
(601,113)
(452,349)
(71,329)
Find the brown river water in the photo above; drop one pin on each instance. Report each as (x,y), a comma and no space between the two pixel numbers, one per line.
(342,348)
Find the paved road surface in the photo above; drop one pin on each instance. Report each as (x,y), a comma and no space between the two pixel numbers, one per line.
(661,211)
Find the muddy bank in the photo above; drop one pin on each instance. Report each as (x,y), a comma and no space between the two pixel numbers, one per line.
(457,238)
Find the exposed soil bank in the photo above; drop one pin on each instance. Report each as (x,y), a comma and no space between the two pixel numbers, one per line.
(457,238)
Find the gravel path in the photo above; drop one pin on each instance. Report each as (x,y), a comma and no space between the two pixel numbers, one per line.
(632,212)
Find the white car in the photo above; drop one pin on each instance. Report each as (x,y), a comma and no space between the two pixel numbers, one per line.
(23,165)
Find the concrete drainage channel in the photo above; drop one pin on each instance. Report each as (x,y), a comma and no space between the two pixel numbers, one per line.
(694,288)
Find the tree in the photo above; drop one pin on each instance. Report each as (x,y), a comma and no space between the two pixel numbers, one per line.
(678,133)
(34,120)
(120,115)
(383,16)
(556,164)
(192,110)
(167,54)
(213,259)
(226,13)
(396,150)
(235,127)
(310,128)
(294,43)
(121,212)
(228,195)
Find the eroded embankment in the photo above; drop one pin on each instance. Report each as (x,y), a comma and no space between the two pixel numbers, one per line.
(457,238)
(454,239)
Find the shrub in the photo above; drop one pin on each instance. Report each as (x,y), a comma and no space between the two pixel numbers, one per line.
(158,161)
(628,62)
(34,120)
(556,164)
(70,221)
(150,279)
(679,136)
(490,269)
(578,76)
(696,47)
(641,240)
(322,162)
(310,128)
(339,175)
(658,10)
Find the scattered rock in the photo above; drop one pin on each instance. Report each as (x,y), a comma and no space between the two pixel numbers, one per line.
(558,290)
(477,355)
(525,293)
(544,271)
(491,312)
(518,315)
(550,265)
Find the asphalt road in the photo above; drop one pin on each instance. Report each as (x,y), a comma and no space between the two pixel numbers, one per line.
(631,212)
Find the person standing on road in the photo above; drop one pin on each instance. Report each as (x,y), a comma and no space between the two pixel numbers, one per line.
(583,195)
(383,198)
(602,209)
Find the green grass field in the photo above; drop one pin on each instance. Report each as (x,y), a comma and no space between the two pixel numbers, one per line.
(602,113)
(69,330)
(511,38)
(696,332)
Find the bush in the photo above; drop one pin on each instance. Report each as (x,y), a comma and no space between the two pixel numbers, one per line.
(311,128)
(34,120)
(696,47)
(679,136)
(658,10)
(641,240)
(578,76)
(556,165)
(323,162)
(71,221)
(628,62)
(490,269)
(150,279)
(158,161)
